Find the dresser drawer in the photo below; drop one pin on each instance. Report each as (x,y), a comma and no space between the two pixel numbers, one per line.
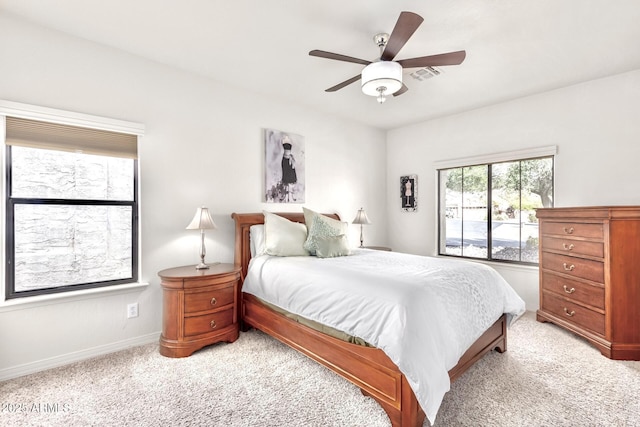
(573,247)
(575,229)
(574,313)
(208,300)
(208,323)
(577,267)
(573,290)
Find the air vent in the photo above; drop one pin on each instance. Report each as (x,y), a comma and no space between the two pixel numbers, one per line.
(425,73)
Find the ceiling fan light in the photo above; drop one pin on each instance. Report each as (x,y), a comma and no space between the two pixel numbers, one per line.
(385,75)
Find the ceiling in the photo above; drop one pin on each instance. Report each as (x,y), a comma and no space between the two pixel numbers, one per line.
(514,48)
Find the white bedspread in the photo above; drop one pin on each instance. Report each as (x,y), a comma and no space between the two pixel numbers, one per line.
(423,312)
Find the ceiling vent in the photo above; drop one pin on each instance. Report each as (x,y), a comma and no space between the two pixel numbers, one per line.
(425,73)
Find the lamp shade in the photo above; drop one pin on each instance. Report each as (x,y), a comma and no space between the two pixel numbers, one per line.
(361,217)
(202,220)
(381,78)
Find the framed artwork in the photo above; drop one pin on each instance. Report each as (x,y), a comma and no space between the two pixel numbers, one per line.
(284,167)
(409,193)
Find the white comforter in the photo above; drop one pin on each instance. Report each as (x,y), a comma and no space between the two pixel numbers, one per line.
(423,312)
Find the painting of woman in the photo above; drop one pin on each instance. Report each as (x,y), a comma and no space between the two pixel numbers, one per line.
(284,166)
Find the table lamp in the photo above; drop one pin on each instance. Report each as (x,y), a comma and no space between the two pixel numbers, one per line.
(202,221)
(362,219)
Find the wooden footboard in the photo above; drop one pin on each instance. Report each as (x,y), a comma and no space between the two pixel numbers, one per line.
(366,367)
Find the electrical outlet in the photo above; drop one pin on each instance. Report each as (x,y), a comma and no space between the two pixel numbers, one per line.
(132,310)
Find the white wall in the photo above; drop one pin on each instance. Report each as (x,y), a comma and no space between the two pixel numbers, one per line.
(203,146)
(595,126)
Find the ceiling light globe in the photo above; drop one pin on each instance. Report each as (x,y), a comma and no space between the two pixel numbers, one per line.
(387,74)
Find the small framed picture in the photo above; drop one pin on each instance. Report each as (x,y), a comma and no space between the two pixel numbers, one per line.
(409,193)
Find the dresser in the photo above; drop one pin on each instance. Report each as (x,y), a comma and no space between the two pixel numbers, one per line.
(200,307)
(590,275)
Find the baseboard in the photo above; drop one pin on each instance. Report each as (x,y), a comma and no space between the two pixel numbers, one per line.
(77,356)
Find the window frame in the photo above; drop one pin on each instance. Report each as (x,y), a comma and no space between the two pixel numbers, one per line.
(11,202)
(26,111)
(489,160)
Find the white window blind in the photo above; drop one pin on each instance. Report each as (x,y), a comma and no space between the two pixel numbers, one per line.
(54,136)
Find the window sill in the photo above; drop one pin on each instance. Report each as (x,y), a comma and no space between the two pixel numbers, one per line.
(49,299)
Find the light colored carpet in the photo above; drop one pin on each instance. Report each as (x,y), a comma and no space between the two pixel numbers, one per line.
(546,378)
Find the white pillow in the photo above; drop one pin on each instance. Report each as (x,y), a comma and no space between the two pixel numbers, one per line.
(319,225)
(328,247)
(256,240)
(283,237)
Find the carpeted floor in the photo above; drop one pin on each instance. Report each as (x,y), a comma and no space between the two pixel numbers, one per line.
(546,378)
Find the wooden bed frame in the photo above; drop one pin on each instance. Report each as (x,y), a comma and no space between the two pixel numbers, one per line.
(366,367)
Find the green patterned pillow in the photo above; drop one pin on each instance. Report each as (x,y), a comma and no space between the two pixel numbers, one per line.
(322,226)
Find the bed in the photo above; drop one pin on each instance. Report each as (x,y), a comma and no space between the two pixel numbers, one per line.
(369,368)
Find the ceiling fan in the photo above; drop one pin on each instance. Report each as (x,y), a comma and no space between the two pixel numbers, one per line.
(383,77)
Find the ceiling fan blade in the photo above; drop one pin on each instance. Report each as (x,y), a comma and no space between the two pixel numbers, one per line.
(343,84)
(338,57)
(402,90)
(407,24)
(451,58)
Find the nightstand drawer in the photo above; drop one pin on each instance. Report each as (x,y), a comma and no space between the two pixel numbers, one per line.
(577,267)
(208,323)
(209,300)
(574,229)
(574,290)
(573,247)
(573,313)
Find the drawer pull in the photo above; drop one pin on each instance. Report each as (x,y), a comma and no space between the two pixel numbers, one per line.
(570,268)
(569,313)
(214,301)
(567,248)
(213,323)
(569,291)
(568,230)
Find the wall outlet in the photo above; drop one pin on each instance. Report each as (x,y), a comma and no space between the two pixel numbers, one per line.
(132,310)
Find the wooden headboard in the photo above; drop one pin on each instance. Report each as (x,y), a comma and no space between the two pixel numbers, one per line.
(244,221)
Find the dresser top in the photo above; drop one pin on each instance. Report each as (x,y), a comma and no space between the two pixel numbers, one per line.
(591,212)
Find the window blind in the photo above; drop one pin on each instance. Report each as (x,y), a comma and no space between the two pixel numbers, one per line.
(54,136)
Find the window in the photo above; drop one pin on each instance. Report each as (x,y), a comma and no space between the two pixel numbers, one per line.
(487,211)
(71,208)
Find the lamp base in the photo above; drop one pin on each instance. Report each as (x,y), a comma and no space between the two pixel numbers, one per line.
(203,266)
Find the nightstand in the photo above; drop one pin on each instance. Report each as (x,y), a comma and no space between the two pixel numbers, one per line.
(199,308)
